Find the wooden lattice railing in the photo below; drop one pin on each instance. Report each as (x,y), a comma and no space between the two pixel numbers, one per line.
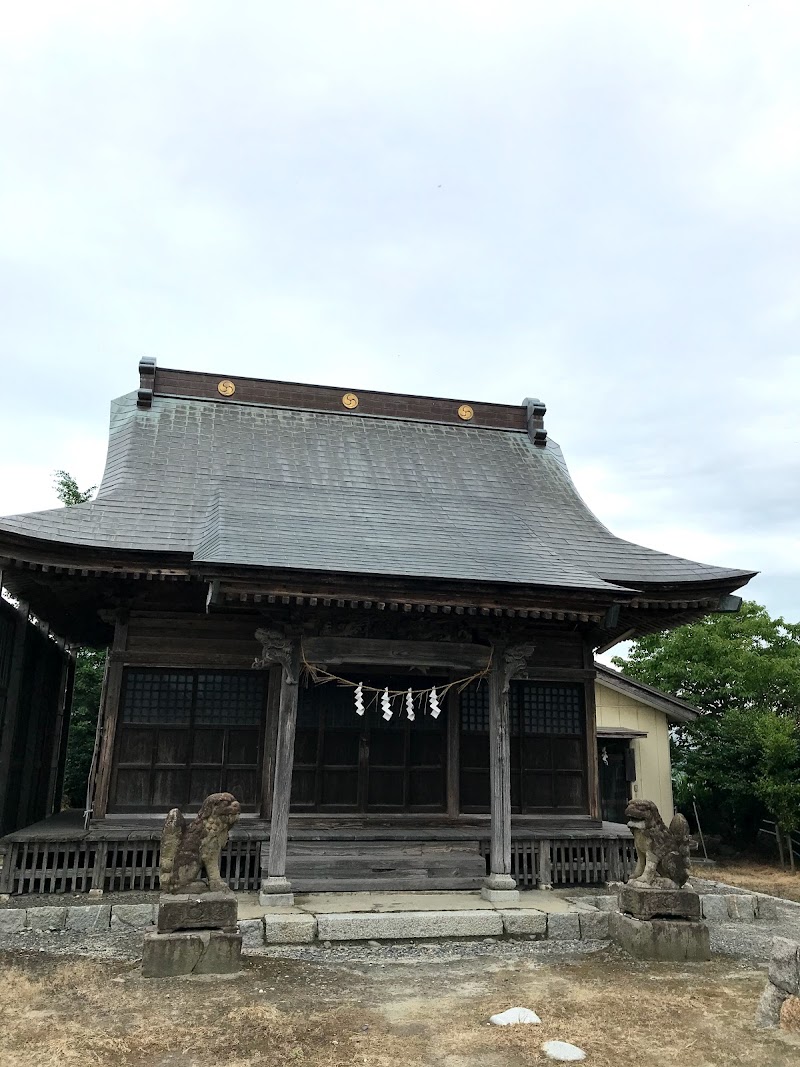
(565,861)
(113,866)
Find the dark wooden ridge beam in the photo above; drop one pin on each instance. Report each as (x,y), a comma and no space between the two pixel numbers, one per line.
(332,651)
(234,389)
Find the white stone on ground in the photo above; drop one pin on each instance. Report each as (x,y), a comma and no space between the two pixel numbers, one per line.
(512,1016)
(562,1050)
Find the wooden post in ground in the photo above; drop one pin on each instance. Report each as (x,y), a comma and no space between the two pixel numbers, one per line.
(276,889)
(499,885)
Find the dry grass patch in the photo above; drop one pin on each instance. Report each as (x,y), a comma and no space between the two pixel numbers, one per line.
(755,875)
(432,1012)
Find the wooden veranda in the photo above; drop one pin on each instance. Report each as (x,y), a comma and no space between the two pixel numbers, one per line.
(59,855)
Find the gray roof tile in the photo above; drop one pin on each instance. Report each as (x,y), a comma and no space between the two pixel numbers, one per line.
(272,487)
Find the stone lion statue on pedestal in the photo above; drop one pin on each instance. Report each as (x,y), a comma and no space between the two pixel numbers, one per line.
(188,847)
(663,852)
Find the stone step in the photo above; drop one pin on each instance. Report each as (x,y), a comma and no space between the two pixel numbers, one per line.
(365,866)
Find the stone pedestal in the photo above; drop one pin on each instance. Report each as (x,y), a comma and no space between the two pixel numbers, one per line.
(196,934)
(500,889)
(660,924)
(191,952)
(675,940)
(276,893)
(200,911)
(645,903)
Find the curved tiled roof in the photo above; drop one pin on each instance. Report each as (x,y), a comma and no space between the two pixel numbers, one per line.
(261,486)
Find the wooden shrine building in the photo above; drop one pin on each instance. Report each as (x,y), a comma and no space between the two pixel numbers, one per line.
(256,550)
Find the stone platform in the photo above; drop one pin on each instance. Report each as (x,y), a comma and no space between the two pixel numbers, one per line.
(191,952)
(197,933)
(673,940)
(655,923)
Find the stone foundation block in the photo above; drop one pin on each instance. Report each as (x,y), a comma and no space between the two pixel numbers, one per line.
(563,926)
(132,916)
(525,921)
(742,908)
(89,917)
(191,952)
(768,1012)
(12,920)
(595,927)
(784,966)
(47,918)
(674,940)
(500,896)
(252,931)
(714,907)
(289,929)
(766,907)
(605,903)
(198,911)
(369,926)
(645,903)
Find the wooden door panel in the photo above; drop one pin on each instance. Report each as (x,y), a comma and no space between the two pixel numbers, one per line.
(172,746)
(136,745)
(339,788)
(204,780)
(169,788)
(132,787)
(386,787)
(426,789)
(243,783)
(208,746)
(243,747)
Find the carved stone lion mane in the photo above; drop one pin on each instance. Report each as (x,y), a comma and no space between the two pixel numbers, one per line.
(663,852)
(188,847)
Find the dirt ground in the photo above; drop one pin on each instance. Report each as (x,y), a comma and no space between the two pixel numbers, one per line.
(57,1012)
(756,875)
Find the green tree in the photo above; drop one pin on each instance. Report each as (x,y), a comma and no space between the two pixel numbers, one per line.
(89,667)
(67,489)
(744,660)
(741,759)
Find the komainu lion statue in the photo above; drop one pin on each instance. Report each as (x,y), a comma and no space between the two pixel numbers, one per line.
(663,853)
(188,847)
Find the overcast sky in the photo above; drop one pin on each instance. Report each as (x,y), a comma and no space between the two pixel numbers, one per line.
(594,203)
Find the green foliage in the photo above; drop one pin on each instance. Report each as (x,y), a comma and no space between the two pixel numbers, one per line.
(89,668)
(67,489)
(740,760)
(778,780)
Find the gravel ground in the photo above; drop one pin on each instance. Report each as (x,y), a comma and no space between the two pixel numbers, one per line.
(128,947)
(745,941)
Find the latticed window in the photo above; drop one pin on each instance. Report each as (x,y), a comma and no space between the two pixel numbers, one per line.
(184,734)
(548,750)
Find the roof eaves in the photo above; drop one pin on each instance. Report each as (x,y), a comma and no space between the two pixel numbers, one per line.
(673,707)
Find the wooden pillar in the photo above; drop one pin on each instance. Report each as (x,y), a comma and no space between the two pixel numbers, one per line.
(61,733)
(453,752)
(270,741)
(11,716)
(499,884)
(592,769)
(109,711)
(276,889)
